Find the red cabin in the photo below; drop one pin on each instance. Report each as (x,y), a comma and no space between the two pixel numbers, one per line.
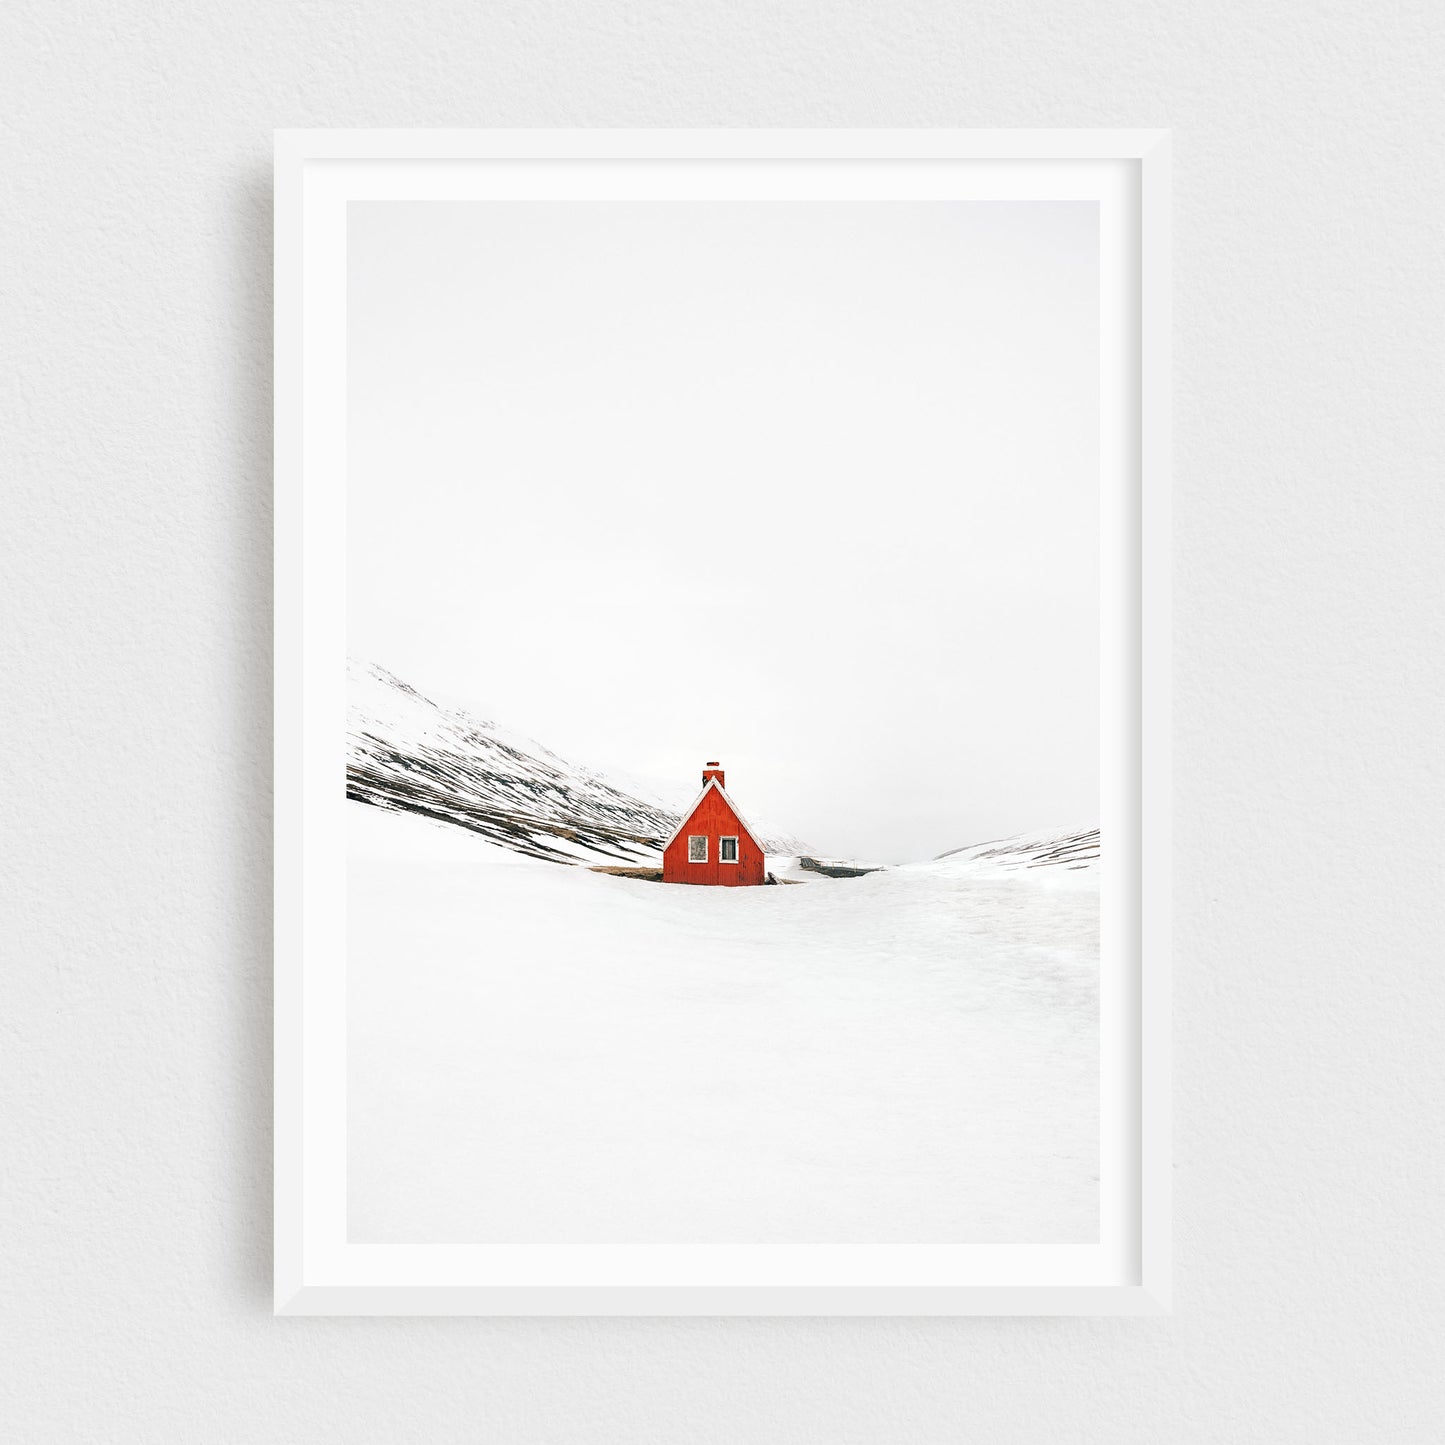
(712,844)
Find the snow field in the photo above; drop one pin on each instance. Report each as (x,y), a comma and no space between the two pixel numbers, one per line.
(541,1053)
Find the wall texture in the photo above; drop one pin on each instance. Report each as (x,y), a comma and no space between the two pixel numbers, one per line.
(134,1034)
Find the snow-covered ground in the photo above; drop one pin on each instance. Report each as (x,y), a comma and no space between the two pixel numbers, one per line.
(544,1053)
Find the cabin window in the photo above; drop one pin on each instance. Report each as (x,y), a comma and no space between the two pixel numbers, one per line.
(727,850)
(697,848)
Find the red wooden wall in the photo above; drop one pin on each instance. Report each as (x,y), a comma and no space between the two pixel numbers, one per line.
(716,819)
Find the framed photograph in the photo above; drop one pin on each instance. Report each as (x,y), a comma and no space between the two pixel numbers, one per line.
(722,687)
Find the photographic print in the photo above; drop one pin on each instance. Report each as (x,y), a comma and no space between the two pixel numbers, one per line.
(716,704)
(723,721)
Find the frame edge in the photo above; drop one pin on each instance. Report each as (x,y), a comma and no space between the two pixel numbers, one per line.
(286,664)
(1156,642)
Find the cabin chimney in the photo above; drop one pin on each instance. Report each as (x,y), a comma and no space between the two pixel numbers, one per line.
(713,770)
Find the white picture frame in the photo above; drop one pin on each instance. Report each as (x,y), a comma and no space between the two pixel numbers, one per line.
(317,1271)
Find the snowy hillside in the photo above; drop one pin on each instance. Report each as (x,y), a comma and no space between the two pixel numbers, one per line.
(407,754)
(1075,850)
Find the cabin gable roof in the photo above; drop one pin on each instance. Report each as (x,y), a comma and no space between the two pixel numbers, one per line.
(687,817)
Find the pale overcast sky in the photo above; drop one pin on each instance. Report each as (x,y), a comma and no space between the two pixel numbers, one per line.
(811,488)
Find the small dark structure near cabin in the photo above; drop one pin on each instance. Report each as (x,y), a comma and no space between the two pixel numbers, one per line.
(835,870)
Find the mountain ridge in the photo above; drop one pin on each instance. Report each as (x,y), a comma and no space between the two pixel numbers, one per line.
(408,753)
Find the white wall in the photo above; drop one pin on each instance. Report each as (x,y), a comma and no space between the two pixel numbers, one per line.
(134,457)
